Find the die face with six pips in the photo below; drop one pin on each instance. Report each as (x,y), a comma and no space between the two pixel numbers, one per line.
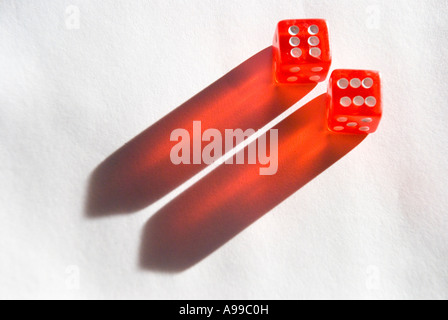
(301,51)
(354,101)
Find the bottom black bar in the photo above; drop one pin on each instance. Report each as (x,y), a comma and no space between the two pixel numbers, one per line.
(217,309)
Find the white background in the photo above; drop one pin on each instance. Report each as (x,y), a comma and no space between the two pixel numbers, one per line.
(374,225)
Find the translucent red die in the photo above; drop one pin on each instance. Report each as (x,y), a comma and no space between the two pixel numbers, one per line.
(354,101)
(301,51)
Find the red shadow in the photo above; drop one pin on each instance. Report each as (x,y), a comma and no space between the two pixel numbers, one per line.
(141,172)
(232,197)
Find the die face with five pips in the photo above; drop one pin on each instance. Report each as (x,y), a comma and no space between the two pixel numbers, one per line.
(354,101)
(301,51)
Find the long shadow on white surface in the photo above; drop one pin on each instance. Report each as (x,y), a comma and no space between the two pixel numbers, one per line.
(232,197)
(141,172)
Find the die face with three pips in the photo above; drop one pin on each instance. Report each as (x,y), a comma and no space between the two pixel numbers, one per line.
(302,56)
(301,51)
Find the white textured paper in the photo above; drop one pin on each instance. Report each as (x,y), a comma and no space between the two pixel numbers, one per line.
(374,225)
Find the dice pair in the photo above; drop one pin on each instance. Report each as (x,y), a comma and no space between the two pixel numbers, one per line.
(302,55)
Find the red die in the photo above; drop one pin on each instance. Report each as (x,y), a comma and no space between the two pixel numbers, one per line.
(354,101)
(301,51)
